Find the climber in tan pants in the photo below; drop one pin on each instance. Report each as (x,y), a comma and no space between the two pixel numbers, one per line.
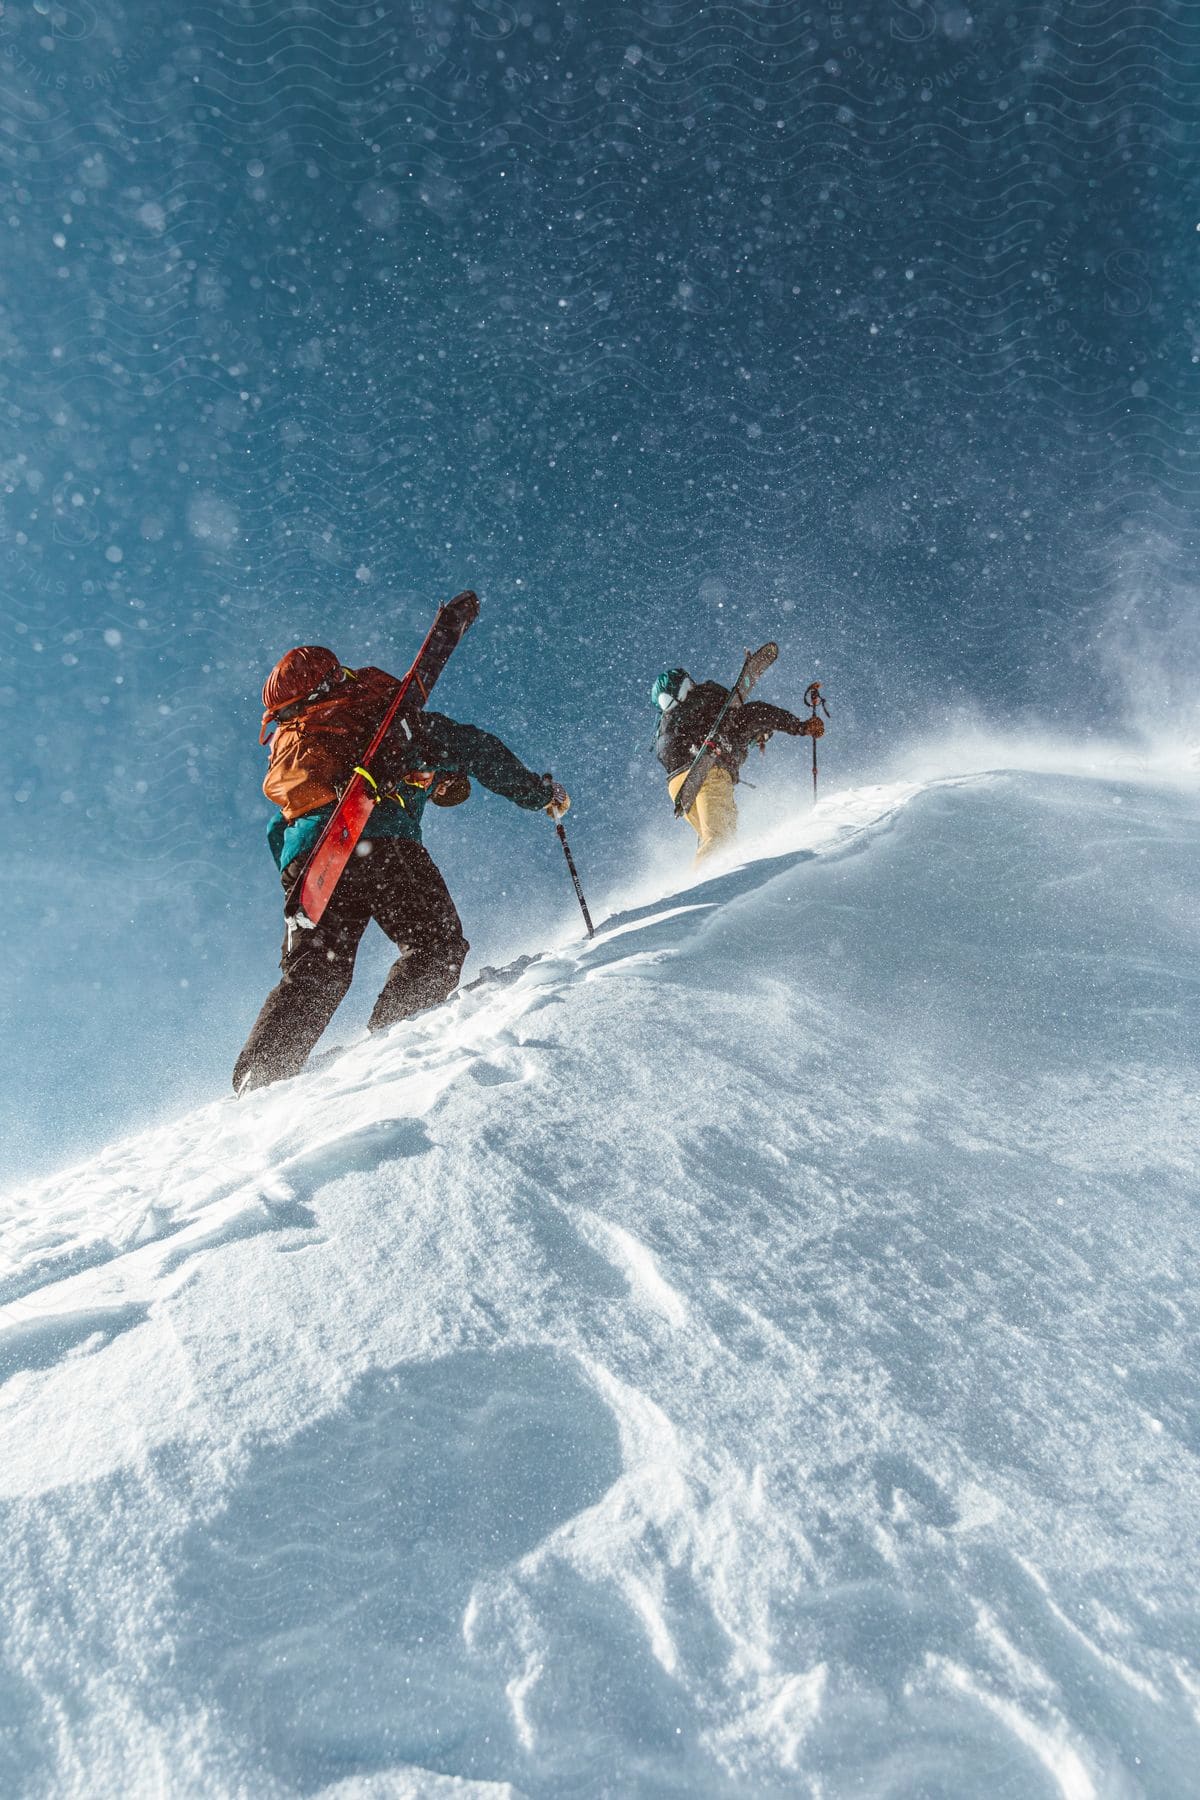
(689,713)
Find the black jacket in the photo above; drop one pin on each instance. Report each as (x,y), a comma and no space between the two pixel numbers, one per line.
(683,730)
(435,742)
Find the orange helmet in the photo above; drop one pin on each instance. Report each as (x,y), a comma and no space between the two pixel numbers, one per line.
(295,676)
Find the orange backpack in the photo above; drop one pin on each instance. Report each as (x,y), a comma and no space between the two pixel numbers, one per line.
(313,754)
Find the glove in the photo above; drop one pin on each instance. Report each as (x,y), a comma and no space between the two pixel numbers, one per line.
(560,802)
(813,727)
(451,790)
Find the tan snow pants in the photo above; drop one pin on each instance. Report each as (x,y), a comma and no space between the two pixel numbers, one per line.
(713,813)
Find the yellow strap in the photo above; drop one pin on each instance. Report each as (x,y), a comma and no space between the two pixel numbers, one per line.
(391,793)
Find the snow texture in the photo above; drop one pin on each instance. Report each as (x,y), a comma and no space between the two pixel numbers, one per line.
(753,1352)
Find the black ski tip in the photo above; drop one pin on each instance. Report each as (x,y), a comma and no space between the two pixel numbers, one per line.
(467,603)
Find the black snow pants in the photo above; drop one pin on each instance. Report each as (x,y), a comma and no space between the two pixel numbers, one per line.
(394,882)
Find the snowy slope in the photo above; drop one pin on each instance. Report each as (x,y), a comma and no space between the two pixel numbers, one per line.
(752,1353)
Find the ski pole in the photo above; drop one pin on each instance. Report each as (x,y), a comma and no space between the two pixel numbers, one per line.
(587,917)
(814,698)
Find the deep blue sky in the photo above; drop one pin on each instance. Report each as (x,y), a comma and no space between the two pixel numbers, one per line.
(668,328)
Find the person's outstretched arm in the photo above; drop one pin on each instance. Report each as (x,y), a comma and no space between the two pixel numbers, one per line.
(758,719)
(466,750)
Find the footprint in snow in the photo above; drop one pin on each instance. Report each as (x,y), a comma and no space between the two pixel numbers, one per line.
(489,1074)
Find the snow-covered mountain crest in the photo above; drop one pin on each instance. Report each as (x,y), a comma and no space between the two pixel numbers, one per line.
(754,1352)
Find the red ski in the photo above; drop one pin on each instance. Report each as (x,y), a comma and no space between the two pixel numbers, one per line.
(310,894)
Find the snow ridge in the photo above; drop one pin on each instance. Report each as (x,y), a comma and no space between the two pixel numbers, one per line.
(751,1352)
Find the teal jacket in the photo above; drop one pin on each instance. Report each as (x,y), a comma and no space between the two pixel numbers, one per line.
(437,745)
